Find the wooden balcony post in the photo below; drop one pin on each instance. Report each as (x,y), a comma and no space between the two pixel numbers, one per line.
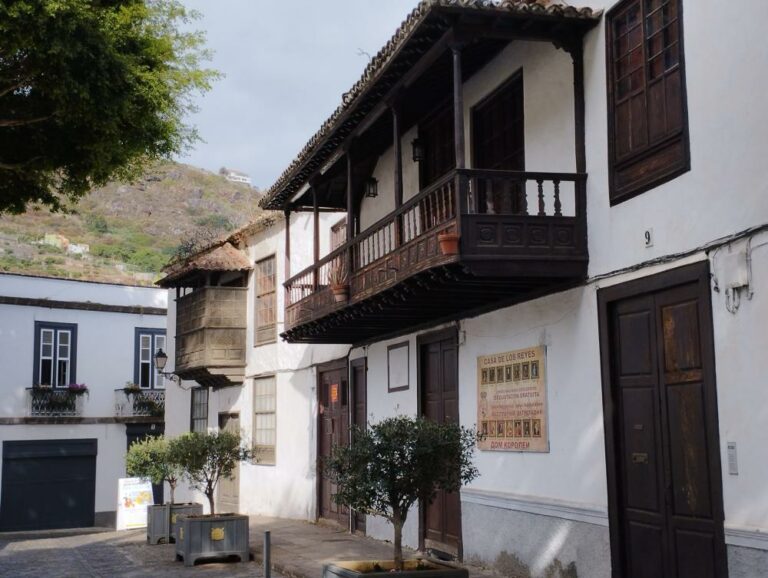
(397,150)
(458,107)
(315,236)
(350,211)
(287,253)
(577,54)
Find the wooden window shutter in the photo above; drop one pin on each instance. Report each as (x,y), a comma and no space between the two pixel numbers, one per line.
(648,136)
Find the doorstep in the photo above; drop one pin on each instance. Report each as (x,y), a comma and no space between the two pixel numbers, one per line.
(57,533)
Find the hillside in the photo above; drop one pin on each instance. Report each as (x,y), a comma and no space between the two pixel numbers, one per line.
(131,230)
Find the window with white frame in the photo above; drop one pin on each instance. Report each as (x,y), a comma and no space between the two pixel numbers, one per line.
(148,343)
(199,417)
(265,419)
(55,354)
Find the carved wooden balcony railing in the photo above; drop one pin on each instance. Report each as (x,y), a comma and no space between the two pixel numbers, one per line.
(141,403)
(520,233)
(210,336)
(52,402)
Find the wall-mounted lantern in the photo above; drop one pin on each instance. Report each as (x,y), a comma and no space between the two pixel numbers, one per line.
(417,150)
(371,187)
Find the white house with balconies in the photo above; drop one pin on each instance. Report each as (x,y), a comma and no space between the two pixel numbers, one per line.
(78,384)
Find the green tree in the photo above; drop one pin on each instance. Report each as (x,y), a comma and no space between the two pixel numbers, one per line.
(92,91)
(208,457)
(152,458)
(394,463)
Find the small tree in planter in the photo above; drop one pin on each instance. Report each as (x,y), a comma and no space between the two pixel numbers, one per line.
(387,468)
(153,458)
(206,458)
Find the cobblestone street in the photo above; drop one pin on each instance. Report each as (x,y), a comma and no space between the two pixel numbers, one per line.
(108,554)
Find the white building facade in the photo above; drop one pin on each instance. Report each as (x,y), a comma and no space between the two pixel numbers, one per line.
(605,305)
(60,444)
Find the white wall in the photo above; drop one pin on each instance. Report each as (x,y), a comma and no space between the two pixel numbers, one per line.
(573,472)
(725,190)
(105,361)
(110,459)
(288,488)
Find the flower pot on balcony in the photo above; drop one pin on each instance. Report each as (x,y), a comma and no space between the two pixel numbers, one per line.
(212,536)
(449,243)
(340,293)
(411,569)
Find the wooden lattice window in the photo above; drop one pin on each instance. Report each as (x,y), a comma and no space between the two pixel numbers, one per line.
(266,302)
(265,419)
(648,136)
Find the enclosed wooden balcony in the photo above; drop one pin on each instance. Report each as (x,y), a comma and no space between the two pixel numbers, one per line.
(521,234)
(210,336)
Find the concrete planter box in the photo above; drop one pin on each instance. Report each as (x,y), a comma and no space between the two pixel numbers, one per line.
(178,511)
(412,569)
(216,536)
(157,523)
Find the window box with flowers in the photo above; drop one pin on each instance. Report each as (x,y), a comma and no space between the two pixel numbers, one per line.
(47,401)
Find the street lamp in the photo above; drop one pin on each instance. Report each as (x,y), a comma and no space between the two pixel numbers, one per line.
(161,358)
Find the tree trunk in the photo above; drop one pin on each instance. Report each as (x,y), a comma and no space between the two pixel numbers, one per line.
(209,495)
(398,541)
(173,491)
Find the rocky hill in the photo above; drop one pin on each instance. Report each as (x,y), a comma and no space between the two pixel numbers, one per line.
(131,229)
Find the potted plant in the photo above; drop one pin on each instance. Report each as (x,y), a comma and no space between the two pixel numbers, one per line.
(449,243)
(206,458)
(339,280)
(390,466)
(152,458)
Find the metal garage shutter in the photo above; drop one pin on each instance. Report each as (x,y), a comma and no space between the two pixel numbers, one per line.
(48,484)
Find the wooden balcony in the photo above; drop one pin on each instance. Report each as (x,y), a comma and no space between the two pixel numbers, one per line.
(521,235)
(210,336)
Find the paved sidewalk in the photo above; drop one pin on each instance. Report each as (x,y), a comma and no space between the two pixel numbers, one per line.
(104,555)
(299,549)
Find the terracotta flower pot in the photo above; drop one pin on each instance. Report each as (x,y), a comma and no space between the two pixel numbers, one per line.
(340,293)
(449,243)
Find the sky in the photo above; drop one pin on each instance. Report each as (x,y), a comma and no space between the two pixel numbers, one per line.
(286,65)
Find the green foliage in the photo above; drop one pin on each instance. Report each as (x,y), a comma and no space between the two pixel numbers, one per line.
(153,458)
(91,92)
(208,457)
(394,463)
(96,224)
(215,221)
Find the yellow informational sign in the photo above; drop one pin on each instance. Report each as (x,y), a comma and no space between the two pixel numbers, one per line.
(512,401)
(134,495)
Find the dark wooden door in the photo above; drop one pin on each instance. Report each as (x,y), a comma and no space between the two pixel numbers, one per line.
(359,418)
(334,430)
(667,494)
(228,499)
(438,383)
(135,432)
(498,143)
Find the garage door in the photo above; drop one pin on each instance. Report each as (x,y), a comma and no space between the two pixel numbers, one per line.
(48,484)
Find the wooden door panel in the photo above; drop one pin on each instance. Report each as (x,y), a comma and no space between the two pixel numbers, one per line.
(640,462)
(438,383)
(667,487)
(334,430)
(688,452)
(695,554)
(646,552)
